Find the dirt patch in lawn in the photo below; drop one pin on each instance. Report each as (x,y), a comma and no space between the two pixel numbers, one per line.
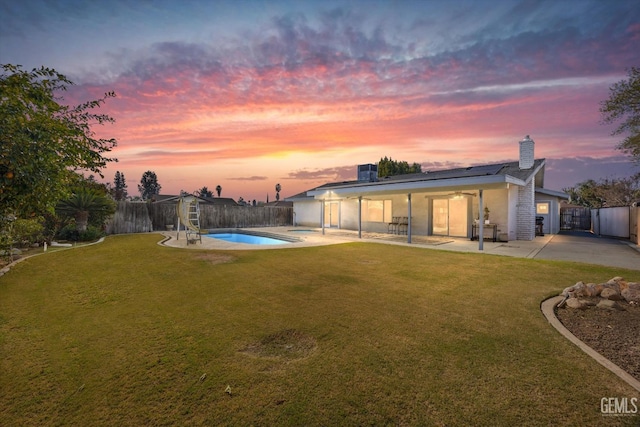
(213,258)
(613,333)
(288,344)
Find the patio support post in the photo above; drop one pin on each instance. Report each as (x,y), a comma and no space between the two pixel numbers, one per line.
(409,219)
(322,216)
(359,217)
(480,222)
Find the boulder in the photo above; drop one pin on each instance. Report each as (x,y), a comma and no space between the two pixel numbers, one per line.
(593,290)
(611,294)
(14,252)
(609,305)
(573,290)
(575,303)
(615,286)
(631,295)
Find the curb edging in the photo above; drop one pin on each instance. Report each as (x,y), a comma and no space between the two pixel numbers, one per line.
(548,309)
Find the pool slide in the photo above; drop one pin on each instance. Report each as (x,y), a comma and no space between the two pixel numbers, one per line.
(183,207)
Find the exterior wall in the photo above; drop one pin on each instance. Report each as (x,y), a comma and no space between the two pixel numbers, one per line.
(553,219)
(307,213)
(349,214)
(526,212)
(512,222)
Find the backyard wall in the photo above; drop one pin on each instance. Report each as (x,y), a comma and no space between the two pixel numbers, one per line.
(614,222)
(634,232)
(132,217)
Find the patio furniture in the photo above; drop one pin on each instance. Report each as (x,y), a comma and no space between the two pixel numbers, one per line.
(476,227)
(403,225)
(393,225)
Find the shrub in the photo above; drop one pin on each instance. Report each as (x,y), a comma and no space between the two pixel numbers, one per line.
(90,234)
(28,231)
(70,232)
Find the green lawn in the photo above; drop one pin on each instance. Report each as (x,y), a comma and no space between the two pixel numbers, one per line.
(121,333)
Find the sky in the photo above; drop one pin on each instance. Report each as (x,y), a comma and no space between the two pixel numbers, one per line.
(249,94)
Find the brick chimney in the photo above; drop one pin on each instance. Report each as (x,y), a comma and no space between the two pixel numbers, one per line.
(526,153)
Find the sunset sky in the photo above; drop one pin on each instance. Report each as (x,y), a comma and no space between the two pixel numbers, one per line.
(248,94)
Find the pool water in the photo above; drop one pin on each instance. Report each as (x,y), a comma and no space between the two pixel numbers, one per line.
(246,238)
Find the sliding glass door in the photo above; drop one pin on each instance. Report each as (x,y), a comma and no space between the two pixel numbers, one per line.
(450,217)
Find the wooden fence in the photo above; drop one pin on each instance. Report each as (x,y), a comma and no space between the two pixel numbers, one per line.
(133,217)
(130,218)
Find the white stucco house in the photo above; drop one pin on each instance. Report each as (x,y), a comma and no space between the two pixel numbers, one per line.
(443,203)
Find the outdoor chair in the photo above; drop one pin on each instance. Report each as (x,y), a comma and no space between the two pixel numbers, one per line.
(393,225)
(403,225)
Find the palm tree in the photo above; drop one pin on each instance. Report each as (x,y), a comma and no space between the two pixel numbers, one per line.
(218,190)
(82,204)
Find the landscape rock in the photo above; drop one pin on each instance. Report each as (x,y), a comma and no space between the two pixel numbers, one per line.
(614,294)
(611,294)
(572,290)
(631,295)
(14,252)
(594,290)
(575,303)
(609,305)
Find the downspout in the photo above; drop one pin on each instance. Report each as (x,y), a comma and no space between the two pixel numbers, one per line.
(480,222)
(409,220)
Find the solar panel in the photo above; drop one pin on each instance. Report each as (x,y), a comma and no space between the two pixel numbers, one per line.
(466,172)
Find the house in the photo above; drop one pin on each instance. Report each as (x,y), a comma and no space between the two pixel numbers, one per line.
(445,203)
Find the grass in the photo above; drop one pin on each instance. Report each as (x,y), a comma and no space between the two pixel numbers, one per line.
(122,333)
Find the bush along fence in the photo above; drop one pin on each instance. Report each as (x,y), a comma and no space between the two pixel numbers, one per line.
(132,217)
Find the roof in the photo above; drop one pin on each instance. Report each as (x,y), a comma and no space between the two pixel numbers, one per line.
(558,194)
(483,176)
(219,201)
(286,203)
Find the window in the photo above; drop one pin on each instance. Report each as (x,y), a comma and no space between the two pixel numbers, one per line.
(542,208)
(376,210)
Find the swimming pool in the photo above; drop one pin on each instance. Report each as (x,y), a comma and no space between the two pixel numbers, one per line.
(250,239)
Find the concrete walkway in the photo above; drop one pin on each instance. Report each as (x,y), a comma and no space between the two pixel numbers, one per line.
(573,246)
(586,247)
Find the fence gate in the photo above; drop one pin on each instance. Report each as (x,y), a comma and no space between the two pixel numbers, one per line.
(575,218)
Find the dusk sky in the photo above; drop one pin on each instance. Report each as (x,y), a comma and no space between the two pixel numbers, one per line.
(248,94)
